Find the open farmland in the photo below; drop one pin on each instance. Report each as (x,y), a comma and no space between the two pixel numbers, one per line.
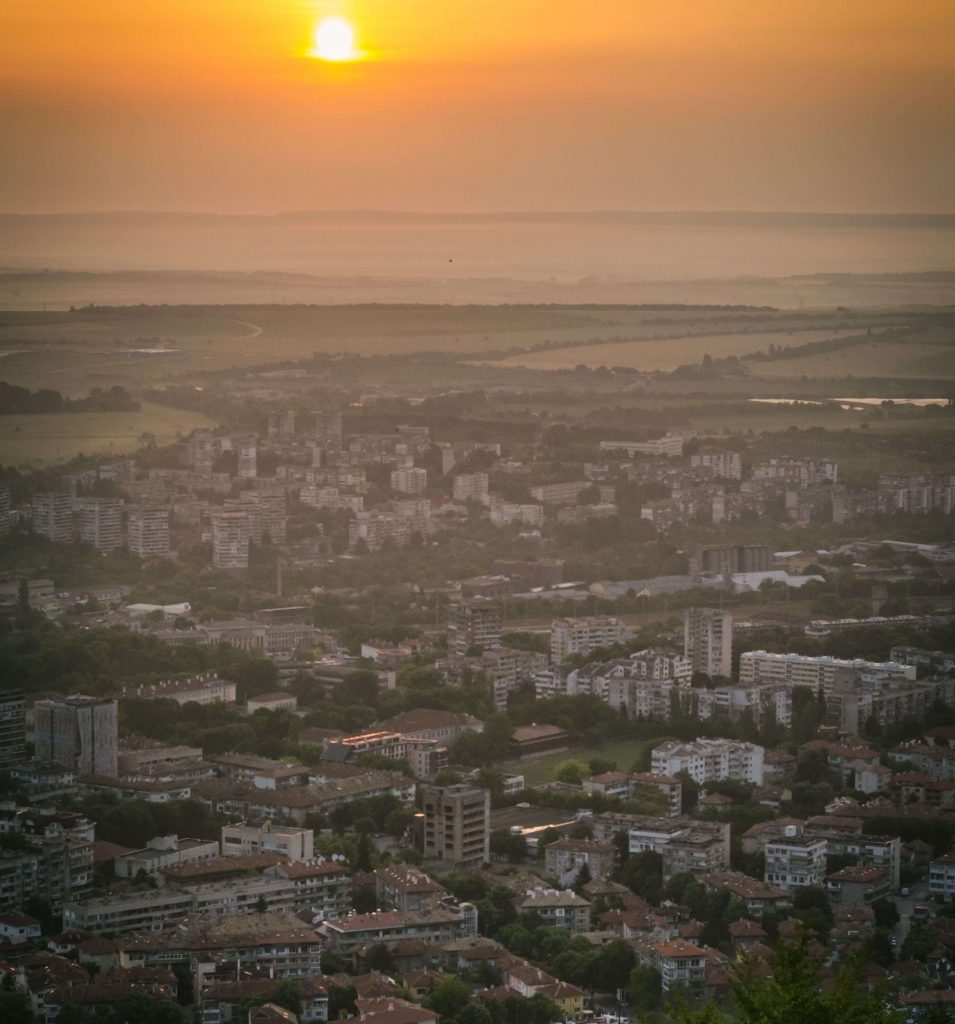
(667,353)
(927,356)
(40,439)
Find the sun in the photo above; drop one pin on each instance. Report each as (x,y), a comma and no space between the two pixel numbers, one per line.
(334,40)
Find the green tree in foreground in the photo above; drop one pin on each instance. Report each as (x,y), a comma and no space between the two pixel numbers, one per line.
(793,995)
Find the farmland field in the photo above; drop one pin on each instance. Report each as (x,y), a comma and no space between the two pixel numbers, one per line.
(665,354)
(921,357)
(55,437)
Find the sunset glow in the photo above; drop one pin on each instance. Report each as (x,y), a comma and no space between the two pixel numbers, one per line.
(528,98)
(334,40)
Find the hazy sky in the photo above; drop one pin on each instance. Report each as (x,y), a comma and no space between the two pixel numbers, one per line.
(830,105)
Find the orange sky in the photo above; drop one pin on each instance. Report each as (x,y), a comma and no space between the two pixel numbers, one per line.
(479,105)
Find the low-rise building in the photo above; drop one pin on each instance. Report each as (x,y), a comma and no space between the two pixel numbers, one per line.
(161,852)
(564,859)
(794,861)
(558,908)
(242,839)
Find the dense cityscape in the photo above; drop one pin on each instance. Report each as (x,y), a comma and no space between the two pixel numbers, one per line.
(259,753)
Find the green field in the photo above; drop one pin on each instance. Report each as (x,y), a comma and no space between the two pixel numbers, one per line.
(40,439)
(624,752)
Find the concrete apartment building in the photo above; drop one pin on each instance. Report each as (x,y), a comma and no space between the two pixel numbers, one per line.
(328,430)
(725,465)
(583,635)
(79,733)
(670,445)
(100,522)
(794,860)
(708,640)
(941,879)
(53,516)
(147,532)
(13,728)
(163,852)
(456,824)
(685,844)
(208,688)
(231,533)
(818,671)
(243,840)
(560,494)
(558,908)
(564,858)
(623,786)
(409,480)
(709,760)
(437,926)
(279,945)
(406,889)
(470,487)
(473,624)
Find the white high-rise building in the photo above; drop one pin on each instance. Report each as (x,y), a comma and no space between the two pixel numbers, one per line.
(230,540)
(147,532)
(409,480)
(53,516)
(708,640)
(101,523)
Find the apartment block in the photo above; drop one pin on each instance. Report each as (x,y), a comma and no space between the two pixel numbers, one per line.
(473,624)
(231,533)
(77,732)
(470,487)
(819,671)
(456,824)
(558,908)
(560,494)
(406,889)
(794,860)
(436,926)
(147,532)
(275,945)
(53,516)
(726,465)
(101,522)
(564,858)
(13,728)
(409,480)
(583,635)
(708,640)
(708,760)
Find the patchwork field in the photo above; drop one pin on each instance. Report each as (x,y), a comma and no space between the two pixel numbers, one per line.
(56,437)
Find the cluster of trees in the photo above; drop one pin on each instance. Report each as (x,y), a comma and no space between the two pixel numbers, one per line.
(14,399)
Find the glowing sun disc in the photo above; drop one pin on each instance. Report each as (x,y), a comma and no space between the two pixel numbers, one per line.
(334,40)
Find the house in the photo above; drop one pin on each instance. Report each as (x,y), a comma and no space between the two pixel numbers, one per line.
(16,927)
